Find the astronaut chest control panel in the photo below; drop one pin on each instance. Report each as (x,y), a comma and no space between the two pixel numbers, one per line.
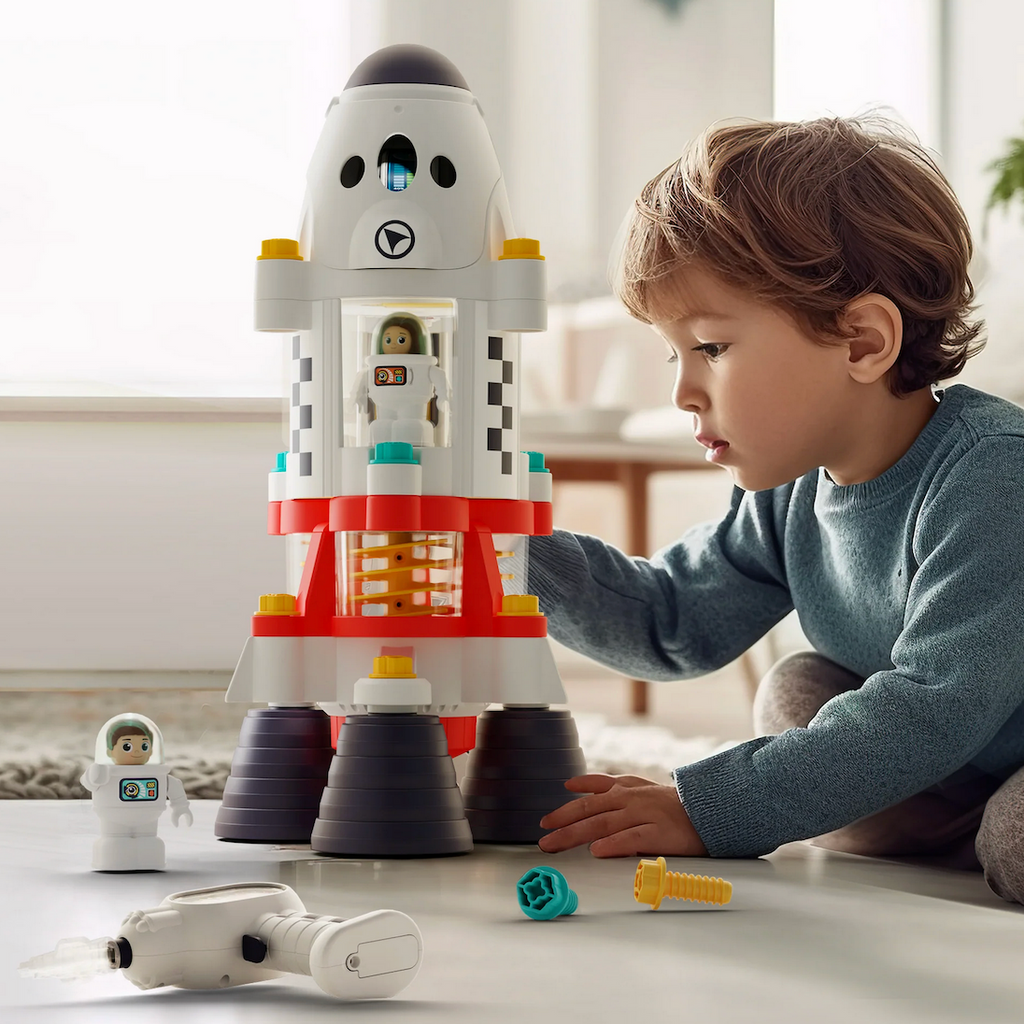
(139,789)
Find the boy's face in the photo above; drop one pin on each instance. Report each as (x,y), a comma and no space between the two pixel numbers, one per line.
(131,749)
(769,403)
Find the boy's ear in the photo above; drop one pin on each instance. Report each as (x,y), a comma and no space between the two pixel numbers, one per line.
(878,336)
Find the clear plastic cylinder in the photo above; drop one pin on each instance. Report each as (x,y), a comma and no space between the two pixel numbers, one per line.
(296,547)
(401,573)
(511,551)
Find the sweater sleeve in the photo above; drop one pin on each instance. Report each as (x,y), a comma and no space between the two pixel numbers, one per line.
(691,608)
(957,676)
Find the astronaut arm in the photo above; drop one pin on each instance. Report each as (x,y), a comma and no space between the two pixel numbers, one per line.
(179,802)
(95,775)
(361,390)
(440,381)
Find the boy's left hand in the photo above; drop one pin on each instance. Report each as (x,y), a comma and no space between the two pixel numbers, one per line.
(625,816)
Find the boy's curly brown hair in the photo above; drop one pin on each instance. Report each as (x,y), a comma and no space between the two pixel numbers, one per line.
(808,216)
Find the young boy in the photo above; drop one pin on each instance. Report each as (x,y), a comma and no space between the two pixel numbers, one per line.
(811,283)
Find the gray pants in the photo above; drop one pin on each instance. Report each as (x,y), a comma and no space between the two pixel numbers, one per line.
(969,820)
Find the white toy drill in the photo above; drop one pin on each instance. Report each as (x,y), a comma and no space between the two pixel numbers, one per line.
(130,788)
(235,934)
(405,501)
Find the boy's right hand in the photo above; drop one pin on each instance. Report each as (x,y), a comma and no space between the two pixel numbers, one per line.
(625,816)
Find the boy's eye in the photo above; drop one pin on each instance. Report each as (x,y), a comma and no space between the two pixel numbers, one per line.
(711,350)
(145,746)
(126,746)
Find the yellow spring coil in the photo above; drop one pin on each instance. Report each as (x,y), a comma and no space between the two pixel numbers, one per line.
(391,571)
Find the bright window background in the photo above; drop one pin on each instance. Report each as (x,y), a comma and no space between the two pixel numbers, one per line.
(147,149)
(840,59)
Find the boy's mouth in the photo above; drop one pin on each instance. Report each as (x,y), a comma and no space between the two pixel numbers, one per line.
(716,447)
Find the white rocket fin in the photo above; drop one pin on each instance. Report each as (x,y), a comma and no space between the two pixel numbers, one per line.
(240,688)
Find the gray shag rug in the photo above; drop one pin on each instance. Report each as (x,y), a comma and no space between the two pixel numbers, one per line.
(48,738)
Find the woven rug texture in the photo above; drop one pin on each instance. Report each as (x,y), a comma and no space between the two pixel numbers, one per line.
(47,740)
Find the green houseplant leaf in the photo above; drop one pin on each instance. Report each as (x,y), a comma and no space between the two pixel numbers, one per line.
(1010,177)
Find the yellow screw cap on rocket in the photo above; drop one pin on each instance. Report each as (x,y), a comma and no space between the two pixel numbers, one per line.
(391,667)
(279,249)
(520,604)
(653,883)
(521,249)
(276,604)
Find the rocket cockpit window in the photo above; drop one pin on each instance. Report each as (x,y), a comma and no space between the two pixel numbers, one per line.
(397,163)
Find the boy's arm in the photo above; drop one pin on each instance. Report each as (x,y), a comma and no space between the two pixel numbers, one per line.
(957,677)
(691,608)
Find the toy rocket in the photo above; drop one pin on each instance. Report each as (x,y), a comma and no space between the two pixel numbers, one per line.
(404,500)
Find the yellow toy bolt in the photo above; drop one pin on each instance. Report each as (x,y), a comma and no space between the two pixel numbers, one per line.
(654,882)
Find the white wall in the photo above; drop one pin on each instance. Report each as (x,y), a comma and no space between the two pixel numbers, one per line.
(132,543)
(841,59)
(663,78)
(551,167)
(985,93)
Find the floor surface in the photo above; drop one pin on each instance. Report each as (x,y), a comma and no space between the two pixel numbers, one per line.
(809,935)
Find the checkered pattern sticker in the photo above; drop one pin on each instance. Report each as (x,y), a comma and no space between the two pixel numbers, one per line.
(499,393)
(301,418)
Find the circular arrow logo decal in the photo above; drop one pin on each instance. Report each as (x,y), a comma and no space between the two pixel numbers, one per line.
(394,239)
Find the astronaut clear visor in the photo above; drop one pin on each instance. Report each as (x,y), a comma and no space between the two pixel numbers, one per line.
(396,163)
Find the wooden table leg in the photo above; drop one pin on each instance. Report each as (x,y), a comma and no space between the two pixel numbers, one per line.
(638,696)
(633,478)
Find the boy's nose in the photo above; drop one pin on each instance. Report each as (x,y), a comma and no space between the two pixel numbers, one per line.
(687,397)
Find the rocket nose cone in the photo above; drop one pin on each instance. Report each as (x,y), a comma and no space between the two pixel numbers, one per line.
(407,62)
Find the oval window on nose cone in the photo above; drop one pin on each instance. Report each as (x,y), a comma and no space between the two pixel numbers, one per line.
(397,163)
(442,170)
(352,172)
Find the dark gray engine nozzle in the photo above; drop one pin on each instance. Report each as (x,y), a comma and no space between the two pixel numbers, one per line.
(391,791)
(277,776)
(516,773)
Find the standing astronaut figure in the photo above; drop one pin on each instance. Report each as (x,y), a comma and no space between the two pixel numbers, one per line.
(130,800)
(400,379)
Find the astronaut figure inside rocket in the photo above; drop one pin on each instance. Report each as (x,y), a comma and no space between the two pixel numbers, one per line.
(401,380)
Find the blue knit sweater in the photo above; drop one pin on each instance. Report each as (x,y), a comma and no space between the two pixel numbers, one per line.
(913,580)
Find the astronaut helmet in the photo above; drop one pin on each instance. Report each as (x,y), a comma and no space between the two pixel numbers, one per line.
(129,739)
(401,334)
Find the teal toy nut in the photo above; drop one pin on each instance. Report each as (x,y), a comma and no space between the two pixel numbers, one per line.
(537,462)
(544,894)
(280,463)
(394,452)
